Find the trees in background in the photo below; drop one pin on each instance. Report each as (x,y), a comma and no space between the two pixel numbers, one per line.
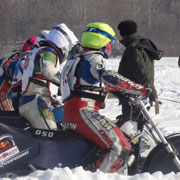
(158,20)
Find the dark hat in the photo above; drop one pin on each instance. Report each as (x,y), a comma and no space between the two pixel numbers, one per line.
(127,27)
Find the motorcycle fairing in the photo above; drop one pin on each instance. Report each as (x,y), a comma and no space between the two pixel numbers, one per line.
(63,148)
(16,147)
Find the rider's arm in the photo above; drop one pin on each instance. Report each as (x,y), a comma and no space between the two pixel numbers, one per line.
(10,68)
(47,64)
(113,81)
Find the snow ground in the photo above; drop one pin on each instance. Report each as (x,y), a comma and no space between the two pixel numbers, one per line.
(167,82)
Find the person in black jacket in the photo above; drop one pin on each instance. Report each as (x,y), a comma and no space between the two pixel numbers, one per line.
(137,63)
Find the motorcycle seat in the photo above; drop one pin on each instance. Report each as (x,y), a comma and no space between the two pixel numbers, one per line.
(13,118)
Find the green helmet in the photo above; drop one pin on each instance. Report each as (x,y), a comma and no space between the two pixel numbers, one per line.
(96,35)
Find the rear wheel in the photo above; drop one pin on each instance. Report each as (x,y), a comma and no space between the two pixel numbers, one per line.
(159,160)
(9,175)
(19,171)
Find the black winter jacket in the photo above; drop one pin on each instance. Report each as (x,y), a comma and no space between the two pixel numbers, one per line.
(137,62)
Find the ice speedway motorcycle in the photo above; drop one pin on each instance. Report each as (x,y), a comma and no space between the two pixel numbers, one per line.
(24,149)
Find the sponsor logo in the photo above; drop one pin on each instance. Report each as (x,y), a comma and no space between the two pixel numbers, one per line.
(106,124)
(105,137)
(116,75)
(8,153)
(144,146)
(14,158)
(6,143)
(71,126)
(8,148)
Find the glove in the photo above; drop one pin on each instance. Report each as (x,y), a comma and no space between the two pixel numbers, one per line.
(148,91)
(153,98)
(56,102)
(152,101)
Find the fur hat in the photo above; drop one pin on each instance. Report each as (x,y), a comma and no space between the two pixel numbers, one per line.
(127,27)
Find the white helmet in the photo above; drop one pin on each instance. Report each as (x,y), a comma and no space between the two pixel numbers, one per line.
(42,36)
(63,38)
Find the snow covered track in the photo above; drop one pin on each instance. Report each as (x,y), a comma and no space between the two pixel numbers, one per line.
(167,82)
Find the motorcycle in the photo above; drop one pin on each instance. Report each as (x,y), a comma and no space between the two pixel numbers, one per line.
(24,149)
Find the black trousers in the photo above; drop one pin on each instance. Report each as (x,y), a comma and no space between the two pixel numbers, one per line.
(129,112)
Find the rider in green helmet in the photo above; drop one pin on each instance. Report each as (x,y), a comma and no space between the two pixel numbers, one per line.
(83,91)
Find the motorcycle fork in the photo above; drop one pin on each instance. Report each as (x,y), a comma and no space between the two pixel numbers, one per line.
(167,146)
(135,167)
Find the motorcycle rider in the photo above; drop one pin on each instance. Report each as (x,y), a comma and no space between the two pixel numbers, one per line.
(85,81)
(41,76)
(8,66)
(31,43)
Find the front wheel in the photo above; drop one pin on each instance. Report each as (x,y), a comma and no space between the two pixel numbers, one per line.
(158,159)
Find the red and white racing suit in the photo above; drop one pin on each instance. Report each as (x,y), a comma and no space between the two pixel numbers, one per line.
(85,75)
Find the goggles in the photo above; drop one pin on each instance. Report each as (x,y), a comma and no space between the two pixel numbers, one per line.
(107,50)
(96,30)
(42,36)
